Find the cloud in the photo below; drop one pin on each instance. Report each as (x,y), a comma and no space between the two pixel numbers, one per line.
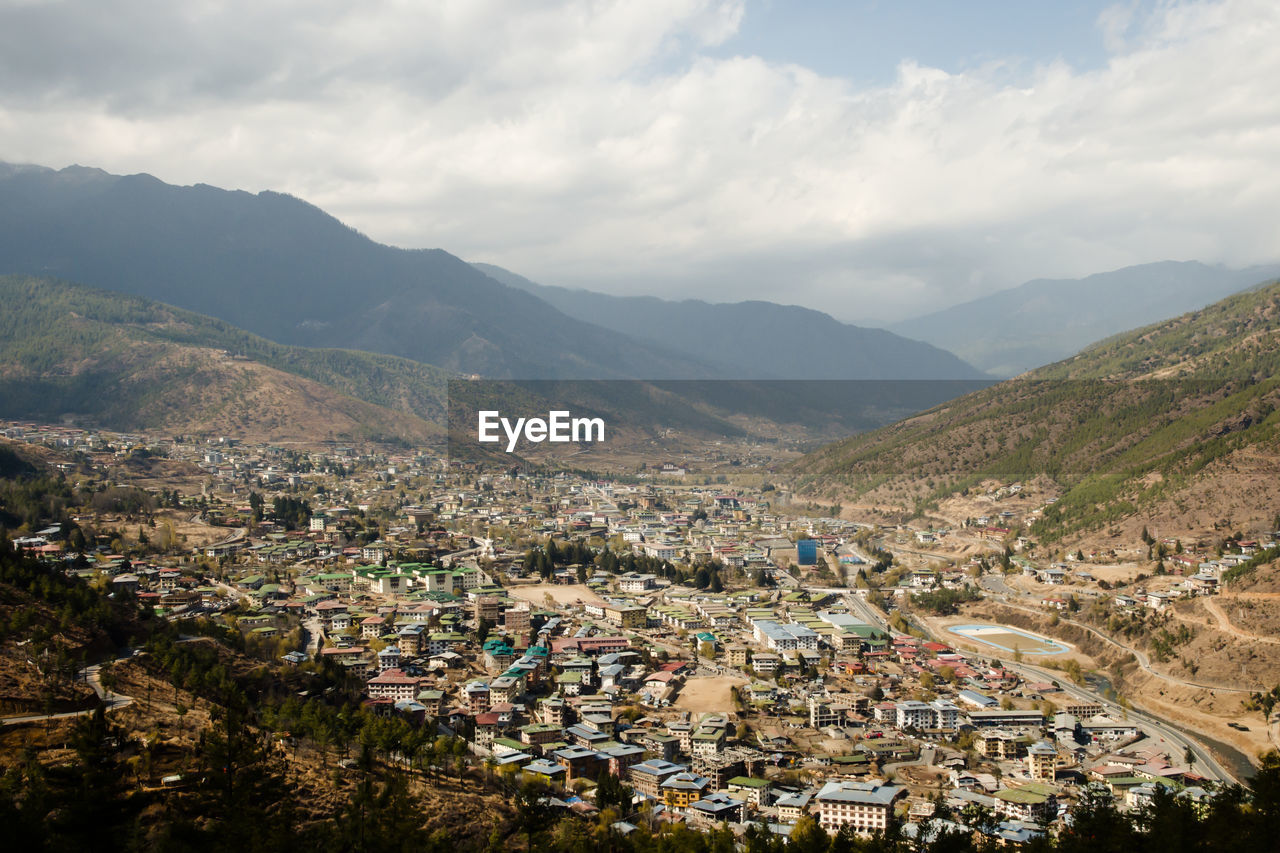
(598,144)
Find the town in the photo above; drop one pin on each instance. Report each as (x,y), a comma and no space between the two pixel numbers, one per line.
(730,656)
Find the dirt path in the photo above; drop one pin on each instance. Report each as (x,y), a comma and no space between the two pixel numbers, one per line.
(1225,624)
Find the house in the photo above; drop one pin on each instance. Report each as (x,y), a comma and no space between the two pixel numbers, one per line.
(647,777)
(1042,761)
(681,789)
(753,791)
(1034,802)
(714,808)
(793,806)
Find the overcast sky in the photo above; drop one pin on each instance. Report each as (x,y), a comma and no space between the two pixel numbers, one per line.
(871,159)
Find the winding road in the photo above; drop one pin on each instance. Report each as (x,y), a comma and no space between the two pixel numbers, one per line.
(91,675)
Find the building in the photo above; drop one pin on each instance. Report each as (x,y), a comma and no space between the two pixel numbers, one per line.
(918,715)
(793,806)
(1042,761)
(1001,745)
(392,684)
(647,776)
(714,808)
(1034,802)
(488,608)
(867,806)
(635,582)
(946,716)
(681,789)
(785,638)
(629,616)
(477,694)
(580,762)
(753,791)
(517,620)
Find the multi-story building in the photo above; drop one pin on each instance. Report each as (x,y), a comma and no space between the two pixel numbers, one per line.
(754,791)
(629,616)
(946,715)
(680,790)
(517,620)
(867,806)
(1001,745)
(918,715)
(477,696)
(647,777)
(1034,802)
(635,582)
(392,684)
(1042,761)
(714,809)
(792,807)
(785,638)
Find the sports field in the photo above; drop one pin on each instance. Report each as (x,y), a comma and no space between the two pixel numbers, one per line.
(1010,639)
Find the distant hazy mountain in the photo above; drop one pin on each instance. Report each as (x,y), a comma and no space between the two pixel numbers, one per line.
(754,339)
(1045,320)
(286,270)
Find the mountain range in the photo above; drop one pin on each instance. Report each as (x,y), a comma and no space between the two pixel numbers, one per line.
(283,269)
(756,339)
(1045,320)
(1179,420)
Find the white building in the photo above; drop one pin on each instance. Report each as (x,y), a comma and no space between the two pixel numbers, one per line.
(866,805)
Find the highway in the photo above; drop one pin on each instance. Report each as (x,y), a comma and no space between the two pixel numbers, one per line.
(1206,762)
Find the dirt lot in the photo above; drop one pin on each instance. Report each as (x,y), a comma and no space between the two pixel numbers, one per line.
(1115,573)
(563,595)
(709,694)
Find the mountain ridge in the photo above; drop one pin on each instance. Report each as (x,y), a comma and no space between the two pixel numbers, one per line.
(125,362)
(757,338)
(290,272)
(1044,320)
(1142,423)
(286,270)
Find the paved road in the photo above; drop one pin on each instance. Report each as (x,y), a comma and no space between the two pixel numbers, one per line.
(91,676)
(1206,763)
(1141,657)
(858,606)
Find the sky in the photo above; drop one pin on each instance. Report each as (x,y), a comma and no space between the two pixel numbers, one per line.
(875,160)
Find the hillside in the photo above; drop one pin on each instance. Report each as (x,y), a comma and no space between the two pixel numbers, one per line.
(754,339)
(126,363)
(1176,421)
(283,269)
(1045,320)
